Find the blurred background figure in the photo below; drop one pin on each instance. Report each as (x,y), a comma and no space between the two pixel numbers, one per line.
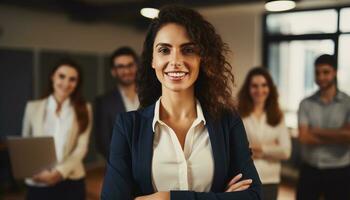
(266,130)
(66,116)
(122,98)
(324,131)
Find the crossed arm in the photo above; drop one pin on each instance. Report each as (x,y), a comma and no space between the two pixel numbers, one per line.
(280,149)
(234,185)
(312,136)
(316,135)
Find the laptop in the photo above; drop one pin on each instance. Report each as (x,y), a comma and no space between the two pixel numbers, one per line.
(30,155)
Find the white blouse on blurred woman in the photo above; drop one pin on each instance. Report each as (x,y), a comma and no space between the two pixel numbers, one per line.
(275,145)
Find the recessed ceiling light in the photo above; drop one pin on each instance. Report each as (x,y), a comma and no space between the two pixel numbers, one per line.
(149,12)
(279,5)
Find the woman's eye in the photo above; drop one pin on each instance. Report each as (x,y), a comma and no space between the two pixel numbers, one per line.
(73,79)
(61,76)
(163,50)
(189,50)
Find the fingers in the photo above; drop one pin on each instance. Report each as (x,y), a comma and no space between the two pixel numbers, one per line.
(235,179)
(39,178)
(36,178)
(239,186)
(43,176)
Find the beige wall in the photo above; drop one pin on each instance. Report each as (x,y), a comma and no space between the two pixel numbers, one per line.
(240,27)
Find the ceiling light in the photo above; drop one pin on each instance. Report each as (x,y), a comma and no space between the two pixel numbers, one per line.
(149,12)
(279,5)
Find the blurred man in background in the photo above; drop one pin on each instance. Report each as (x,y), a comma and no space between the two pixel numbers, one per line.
(122,98)
(324,131)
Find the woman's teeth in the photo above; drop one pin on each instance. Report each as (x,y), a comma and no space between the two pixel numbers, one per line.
(176,74)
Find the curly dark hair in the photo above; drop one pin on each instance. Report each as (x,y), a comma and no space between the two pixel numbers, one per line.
(213,86)
(274,114)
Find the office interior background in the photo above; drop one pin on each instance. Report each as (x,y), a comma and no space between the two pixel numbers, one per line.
(35,34)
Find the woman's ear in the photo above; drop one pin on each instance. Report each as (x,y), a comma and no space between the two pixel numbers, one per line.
(153,65)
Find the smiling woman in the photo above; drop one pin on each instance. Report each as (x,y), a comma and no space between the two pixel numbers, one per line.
(267,133)
(186,141)
(176,59)
(64,115)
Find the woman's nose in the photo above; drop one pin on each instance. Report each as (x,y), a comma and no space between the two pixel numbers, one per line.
(176,59)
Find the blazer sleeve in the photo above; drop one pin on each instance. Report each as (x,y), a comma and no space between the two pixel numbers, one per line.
(240,162)
(118,182)
(102,128)
(80,150)
(26,125)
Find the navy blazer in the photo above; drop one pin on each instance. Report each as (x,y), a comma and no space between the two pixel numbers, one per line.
(106,109)
(129,169)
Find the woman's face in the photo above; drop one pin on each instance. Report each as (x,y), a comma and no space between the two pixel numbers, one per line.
(65,80)
(259,89)
(176,58)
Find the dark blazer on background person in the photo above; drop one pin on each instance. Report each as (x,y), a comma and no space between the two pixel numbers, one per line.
(129,168)
(106,109)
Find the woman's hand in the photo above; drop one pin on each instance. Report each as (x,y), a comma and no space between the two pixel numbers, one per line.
(49,177)
(155,196)
(235,186)
(256,151)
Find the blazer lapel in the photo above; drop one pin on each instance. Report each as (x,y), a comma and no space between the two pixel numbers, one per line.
(145,150)
(118,98)
(217,141)
(39,118)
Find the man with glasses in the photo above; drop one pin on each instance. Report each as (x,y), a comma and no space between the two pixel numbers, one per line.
(324,131)
(122,98)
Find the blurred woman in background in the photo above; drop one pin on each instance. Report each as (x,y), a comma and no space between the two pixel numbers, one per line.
(66,116)
(267,134)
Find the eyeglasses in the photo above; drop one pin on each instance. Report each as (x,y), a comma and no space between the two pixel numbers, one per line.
(122,66)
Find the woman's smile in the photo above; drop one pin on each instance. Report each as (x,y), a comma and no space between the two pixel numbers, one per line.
(176,75)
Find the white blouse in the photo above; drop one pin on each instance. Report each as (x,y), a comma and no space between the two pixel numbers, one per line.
(58,125)
(275,143)
(177,169)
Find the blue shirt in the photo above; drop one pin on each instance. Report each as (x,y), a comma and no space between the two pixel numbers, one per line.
(315,113)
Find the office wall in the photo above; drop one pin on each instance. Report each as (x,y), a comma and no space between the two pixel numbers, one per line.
(26,28)
(240,27)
